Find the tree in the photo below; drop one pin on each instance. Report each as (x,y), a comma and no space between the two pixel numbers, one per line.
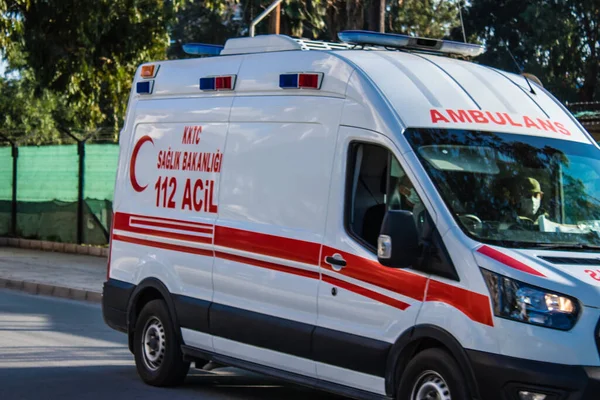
(27,111)
(556,40)
(425,18)
(299,17)
(87,52)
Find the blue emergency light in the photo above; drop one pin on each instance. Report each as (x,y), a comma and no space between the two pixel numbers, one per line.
(144,87)
(200,49)
(392,40)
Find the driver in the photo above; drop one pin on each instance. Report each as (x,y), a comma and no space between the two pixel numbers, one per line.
(528,198)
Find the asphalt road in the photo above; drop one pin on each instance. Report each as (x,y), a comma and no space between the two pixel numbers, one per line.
(60,349)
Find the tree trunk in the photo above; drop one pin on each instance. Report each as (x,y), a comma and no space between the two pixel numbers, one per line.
(381,15)
(274,20)
(355,14)
(333,21)
(377,16)
(588,90)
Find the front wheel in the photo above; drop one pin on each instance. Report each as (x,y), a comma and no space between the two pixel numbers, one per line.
(158,356)
(433,375)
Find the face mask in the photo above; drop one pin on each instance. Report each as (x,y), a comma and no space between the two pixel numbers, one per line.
(536,204)
(413,197)
(530,205)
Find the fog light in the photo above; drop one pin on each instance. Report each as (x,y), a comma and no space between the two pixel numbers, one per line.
(531,396)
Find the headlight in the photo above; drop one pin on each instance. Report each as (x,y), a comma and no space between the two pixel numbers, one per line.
(525,303)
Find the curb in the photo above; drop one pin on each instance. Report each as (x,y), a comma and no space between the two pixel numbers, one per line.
(54,246)
(51,290)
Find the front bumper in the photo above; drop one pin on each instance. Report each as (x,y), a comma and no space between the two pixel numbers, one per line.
(502,378)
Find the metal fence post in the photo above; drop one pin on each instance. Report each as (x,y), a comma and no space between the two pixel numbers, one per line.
(13,213)
(81,153)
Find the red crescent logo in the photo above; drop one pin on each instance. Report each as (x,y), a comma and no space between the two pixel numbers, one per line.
(134,183)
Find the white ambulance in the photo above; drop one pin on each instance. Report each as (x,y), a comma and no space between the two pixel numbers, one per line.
(377,218)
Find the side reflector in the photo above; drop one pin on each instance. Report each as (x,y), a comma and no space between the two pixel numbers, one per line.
(149,71)
(145,87)
(226,82)
(301,81)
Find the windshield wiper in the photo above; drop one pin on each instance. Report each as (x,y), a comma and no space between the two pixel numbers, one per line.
(565,246)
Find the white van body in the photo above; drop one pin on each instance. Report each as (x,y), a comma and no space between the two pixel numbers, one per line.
(228,204)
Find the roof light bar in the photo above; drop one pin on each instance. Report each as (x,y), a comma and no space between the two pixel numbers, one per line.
(226,82)
(311,80)
(409,42)
(200,49)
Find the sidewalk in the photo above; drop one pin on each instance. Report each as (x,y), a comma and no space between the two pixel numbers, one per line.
(72,276)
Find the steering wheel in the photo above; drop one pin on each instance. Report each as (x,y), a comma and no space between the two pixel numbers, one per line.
(472,222)
(472,217)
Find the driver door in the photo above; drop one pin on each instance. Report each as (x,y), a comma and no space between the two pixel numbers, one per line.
(363,306)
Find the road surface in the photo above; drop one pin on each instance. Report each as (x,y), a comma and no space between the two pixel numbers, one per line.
(60,349)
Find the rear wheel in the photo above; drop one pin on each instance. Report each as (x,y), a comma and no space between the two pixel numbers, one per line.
(433,375)
(158,356)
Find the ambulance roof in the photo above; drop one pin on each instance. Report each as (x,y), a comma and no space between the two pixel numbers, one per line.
(435,91)
(423,89)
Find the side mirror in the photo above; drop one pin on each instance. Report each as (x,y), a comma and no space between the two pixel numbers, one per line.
(398,242)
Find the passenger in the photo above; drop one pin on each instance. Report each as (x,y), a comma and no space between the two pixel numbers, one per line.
(405,196)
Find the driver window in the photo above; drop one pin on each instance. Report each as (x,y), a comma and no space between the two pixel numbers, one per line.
(376,183)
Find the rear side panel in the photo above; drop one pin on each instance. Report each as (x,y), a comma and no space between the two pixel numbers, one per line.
(168,195)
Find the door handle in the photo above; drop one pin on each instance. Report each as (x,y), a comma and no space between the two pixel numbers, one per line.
(336,261)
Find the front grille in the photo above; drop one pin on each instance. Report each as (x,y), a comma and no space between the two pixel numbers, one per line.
(571,260)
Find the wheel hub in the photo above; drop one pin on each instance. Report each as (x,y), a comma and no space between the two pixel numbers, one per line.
(154,344)
(430,386)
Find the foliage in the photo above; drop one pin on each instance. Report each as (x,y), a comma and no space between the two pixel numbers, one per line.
(427,18)
(24,110)
(556,40)
(74,61)
(86,53)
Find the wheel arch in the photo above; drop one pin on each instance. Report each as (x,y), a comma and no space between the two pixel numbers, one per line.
(150,289)
(419,338)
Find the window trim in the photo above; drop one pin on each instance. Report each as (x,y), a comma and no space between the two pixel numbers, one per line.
(350,169)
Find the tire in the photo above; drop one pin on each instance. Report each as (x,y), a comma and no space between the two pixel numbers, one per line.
(434,371)
(158,356)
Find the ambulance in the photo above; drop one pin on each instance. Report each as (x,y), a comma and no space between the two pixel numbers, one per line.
(380,218)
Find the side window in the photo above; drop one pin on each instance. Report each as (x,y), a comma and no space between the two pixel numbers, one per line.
(375,183)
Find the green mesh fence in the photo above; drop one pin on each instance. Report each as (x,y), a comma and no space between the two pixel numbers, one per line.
(47,179)
(100,172)
(5,189)
(48,188)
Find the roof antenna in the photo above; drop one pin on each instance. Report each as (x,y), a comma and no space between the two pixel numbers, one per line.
(518,67)
(462,24)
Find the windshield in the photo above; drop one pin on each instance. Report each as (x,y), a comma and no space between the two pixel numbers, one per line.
(515,190)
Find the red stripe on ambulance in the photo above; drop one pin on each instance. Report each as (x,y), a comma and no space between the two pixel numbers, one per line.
(412,285)
(269,245)
(366,292)
(507,260)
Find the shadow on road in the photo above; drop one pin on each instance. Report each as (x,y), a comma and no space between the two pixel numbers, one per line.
(59,349)
(121,382)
